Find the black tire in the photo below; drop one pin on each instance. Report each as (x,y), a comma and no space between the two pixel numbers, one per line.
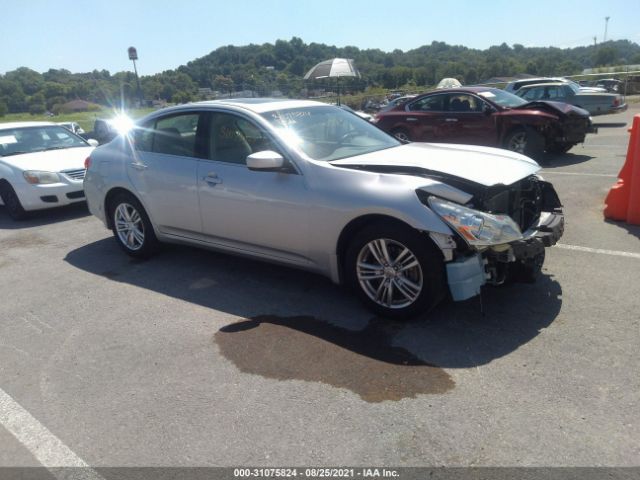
(406,300)
(559,148)
(134,234)
(401,134)
(529,270)
(525,141)
(12,202)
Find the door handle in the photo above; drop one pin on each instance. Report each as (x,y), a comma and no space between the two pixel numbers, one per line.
(412,119)
(212,179)
(450,119)
(139,165)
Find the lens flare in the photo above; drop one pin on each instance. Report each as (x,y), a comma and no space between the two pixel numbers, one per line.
(122,123)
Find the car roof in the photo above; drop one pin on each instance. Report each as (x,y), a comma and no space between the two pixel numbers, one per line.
(460,90)
(24,124)
(545,79)
(550,84)
(256,105)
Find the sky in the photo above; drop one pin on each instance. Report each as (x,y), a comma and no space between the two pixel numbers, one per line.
(82,35)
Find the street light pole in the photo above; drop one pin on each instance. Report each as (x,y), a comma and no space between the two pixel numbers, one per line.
(606,23)
(133,56)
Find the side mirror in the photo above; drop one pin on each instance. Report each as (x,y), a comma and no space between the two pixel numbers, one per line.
(93,142)
(266,160)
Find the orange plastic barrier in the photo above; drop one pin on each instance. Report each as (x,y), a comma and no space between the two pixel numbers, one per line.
(623,201)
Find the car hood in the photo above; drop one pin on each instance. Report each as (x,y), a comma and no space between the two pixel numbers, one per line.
(50,161)
(592,89)
(483,165)
(561,107)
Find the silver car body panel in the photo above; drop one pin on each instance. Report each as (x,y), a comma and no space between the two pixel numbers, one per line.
(293,218)
(462,161)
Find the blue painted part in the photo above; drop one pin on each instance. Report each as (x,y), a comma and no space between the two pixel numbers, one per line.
(465,277)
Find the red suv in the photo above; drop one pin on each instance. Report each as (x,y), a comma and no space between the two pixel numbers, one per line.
(490,117)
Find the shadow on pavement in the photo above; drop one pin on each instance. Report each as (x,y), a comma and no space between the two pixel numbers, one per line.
(298,325)
(610,124)
(632,229)
(563,160)
(39,218)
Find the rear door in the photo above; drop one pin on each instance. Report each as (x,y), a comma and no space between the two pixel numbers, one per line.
(164,171)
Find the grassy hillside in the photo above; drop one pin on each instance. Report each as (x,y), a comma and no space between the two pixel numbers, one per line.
(85,119)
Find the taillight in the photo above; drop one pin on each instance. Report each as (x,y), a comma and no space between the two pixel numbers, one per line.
(87,163)
(616,102)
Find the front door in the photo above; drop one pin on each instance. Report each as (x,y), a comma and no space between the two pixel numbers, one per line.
(465,121)
(423,118)
(257,211)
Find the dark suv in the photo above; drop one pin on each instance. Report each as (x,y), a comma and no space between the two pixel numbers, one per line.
(489,117)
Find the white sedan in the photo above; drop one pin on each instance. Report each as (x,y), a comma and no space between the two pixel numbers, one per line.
(41,166)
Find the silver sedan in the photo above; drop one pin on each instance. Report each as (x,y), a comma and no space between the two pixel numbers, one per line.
(596,103)
(315,187)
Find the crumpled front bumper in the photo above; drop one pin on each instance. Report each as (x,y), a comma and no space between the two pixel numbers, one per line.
(468,274)
(549,228)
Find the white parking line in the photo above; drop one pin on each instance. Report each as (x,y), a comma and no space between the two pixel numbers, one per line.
(554,172)
(43,445)
(616,253)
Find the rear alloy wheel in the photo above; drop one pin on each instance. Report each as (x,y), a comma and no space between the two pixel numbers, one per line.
(401,135)
(524,141)
(396,271)
(131,227)
(12,202)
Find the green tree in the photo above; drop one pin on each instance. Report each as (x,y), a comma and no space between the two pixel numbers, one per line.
(182,97)
(223,83)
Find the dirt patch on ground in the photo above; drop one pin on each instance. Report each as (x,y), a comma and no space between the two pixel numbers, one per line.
(23,240)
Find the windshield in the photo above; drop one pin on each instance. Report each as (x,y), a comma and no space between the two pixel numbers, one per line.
(16,141)
(329,133)
(502,98)
(574,86)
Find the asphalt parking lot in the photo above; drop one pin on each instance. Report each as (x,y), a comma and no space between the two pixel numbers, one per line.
(199,359)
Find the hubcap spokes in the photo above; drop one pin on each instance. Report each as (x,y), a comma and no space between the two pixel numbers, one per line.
(518,143)
(129,226)
(389,273)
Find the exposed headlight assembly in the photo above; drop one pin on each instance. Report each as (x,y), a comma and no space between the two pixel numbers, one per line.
(479,229)
(37,177)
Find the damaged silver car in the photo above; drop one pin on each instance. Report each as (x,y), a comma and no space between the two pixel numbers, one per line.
(312,186)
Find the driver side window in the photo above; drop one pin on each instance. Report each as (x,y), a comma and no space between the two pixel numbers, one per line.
(434,103)
(232,139)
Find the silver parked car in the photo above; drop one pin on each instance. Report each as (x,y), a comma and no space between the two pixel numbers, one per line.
(593,102)
(514,86)
(309,185)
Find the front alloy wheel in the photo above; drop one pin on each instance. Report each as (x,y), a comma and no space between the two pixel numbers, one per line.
(525,141)
(389,273)
(395,270)
(402,135)
(517,142)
